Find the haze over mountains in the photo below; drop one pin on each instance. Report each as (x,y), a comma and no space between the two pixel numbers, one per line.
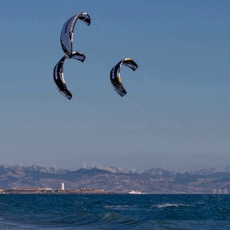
(155,180)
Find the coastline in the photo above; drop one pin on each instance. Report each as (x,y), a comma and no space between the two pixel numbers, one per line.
(54,191)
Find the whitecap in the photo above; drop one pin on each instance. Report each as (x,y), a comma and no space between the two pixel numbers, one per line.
(170,205)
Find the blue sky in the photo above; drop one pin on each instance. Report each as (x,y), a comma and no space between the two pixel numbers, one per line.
(175,114)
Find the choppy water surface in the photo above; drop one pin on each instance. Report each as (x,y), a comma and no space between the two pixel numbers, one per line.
(115,212)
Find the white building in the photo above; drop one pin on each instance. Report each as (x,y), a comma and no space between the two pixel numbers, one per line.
(62,186)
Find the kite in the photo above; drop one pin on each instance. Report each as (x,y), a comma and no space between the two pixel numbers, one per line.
(58,75)
(115,78)
(66,37)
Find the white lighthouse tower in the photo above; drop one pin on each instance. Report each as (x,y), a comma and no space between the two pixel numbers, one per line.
(62,186)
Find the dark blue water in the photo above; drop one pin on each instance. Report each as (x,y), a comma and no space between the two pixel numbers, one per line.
(115,212)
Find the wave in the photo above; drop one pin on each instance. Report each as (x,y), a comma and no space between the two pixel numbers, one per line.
(117,206)
(170,205)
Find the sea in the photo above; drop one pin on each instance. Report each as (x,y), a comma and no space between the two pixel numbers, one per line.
(114,211)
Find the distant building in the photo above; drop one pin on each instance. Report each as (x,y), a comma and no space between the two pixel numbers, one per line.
(219,191)
(62,186)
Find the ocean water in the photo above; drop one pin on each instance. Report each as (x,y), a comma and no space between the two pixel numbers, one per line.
(114,212)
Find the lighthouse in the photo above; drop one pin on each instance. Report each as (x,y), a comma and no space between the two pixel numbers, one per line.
(62,186)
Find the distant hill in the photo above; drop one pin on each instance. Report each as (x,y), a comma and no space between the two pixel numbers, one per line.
(154,181)
(159,173)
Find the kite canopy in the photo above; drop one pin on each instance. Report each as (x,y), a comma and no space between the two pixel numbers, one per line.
(58,75)
(115,78)
(66,38)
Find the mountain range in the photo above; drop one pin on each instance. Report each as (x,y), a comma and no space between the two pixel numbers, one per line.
(152,181)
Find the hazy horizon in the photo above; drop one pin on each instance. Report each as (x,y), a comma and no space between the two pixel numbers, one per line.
(98,166)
